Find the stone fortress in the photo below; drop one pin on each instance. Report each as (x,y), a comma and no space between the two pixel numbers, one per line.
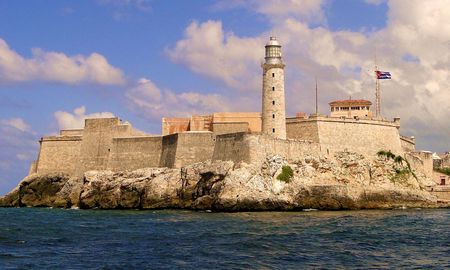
(109,144)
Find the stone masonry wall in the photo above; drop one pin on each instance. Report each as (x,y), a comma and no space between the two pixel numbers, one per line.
(135,152)
(302,131)
(232,147)
(421,162)
(169,150)
(225,128)
(193,147)
(334,134)
(358,137)
(59,154)
(97,142)
(254,148)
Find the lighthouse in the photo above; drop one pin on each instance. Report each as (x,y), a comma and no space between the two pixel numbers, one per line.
(273,103)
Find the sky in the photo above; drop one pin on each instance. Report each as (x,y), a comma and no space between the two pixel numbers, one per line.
(140,60)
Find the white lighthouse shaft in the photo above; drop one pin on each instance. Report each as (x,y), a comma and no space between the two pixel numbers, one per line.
(273,102)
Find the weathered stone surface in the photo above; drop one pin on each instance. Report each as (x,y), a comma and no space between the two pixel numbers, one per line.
(343,181)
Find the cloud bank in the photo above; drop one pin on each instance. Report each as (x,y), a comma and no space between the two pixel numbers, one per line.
(56,67)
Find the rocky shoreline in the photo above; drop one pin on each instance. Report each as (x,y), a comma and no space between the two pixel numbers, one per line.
(343,181)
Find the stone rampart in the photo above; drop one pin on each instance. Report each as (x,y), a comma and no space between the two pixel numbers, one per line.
(182,149)
(230,127)
(59,154)
(254,148)
(131,153)
(408,143)
(421,162)
(97,142)
(71,132)
(338,134)
(193,147)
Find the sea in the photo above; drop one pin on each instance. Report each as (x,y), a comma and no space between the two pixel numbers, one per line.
(45,238)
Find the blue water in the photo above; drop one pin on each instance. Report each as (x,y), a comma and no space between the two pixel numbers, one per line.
(92,239)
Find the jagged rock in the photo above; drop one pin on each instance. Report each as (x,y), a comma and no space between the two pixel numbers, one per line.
(343,181)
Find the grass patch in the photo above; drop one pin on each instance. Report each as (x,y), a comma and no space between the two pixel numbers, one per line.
(286,174)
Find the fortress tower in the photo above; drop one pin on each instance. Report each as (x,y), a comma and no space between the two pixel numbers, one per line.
(273,103)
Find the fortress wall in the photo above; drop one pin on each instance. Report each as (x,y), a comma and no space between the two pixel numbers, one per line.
(225,128)
(71,132)
(254,148)
(174,125)
(408,145)
(336,134)
(169,150)
(33,167)
(193,147)
(359,136)
(232,147)
(200,123)
(421,162)
(261,146)
(59,154)
(252,118)
(97,142)
(302,130)
(134,153)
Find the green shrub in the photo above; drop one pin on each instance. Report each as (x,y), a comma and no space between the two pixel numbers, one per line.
(286,174)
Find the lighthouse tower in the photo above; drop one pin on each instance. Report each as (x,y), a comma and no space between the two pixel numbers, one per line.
(273,103)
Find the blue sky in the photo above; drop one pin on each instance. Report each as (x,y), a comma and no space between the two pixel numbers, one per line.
(141,60)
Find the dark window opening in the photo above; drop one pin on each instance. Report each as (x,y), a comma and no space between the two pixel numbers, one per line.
(273,102)
(273,75)
(273,88)
(273,115)
(273,130)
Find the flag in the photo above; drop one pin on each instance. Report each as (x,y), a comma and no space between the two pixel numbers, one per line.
(383,75)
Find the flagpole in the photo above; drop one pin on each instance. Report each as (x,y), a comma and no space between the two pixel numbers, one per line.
(377,91)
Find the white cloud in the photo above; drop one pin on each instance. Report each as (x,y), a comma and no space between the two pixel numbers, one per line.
(153,103)
(67,120)
(17,123)
(207,50)
(342,61)
(56,67)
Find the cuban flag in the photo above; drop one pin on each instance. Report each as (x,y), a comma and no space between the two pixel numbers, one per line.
(383,75)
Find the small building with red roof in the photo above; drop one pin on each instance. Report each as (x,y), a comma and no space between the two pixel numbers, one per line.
(351,108)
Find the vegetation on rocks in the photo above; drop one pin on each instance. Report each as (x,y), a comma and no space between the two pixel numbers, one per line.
(286,174)
(401,166)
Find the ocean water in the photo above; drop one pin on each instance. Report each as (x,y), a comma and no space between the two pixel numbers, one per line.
(38,238)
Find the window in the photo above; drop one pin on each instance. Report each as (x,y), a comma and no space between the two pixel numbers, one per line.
(332,109)
(273,116)
(273,102)
(273,75)
(273,130)
(273,88)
